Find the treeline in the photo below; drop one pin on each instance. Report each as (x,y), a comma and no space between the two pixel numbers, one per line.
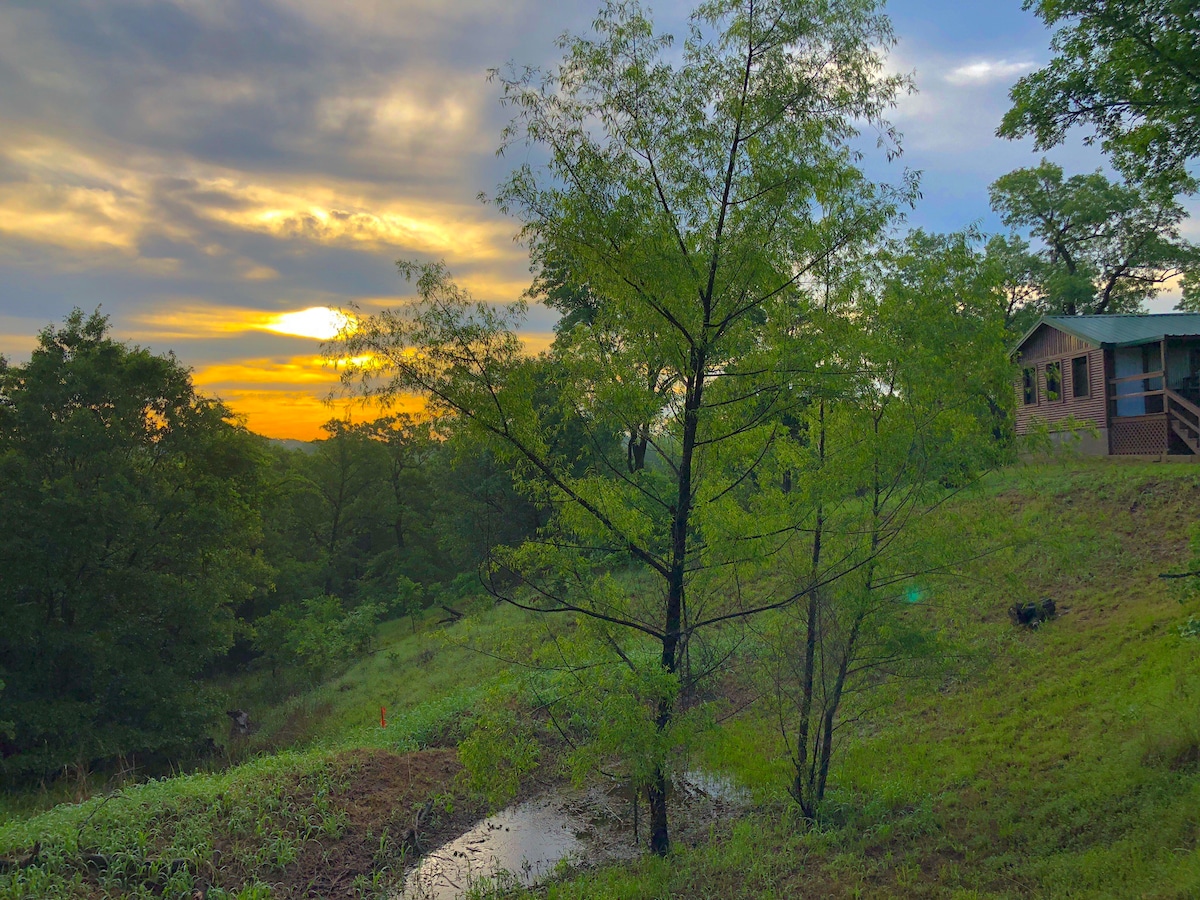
(377,520)
(151,544)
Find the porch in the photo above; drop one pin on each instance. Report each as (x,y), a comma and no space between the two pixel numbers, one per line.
(1154,398)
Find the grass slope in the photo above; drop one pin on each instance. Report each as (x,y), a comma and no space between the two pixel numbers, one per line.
(1062,762)
(1068,765)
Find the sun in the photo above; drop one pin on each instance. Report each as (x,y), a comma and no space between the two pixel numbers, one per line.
(319,322)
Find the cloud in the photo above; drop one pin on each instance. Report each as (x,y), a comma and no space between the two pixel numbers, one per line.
(191,320)
(988,72)
(198,167)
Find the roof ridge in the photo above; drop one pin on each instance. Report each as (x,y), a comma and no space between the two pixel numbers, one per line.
(1118,315)
(1133,328)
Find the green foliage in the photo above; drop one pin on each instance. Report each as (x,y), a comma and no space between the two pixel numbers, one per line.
(500,748)
(919,413)
(409,599)
(691,191)
(317,636)
(1102,247)
(352,514)
(129,507)
(6,728)
(1131,71)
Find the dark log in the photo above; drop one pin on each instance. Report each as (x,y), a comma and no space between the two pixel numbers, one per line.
(454,616)
(1031,614)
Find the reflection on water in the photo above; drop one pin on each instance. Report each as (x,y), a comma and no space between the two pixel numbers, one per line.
(523,844)
(715,787)
(525,841)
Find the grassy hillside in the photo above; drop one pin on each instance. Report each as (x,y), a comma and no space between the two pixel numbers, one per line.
(1058,762)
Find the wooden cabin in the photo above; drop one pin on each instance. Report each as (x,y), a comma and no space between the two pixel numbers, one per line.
(1135,377)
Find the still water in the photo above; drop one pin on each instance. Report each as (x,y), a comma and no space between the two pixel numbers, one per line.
(524,842)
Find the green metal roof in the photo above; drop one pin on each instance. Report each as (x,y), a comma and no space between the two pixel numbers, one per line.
(1122,331)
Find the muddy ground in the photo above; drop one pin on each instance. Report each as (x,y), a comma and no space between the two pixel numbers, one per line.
(396,808)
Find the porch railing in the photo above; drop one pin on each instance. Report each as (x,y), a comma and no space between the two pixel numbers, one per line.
(1145,378)
(1184,418)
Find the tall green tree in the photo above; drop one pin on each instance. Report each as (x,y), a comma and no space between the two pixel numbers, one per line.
(1099,246)
(918,332)
(1130,71)
(684,184)
(128,505)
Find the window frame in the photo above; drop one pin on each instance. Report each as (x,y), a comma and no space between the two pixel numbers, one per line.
(1029,386)
(1058,397)
(1087,378)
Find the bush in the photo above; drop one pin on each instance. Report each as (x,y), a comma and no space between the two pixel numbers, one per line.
(317,637)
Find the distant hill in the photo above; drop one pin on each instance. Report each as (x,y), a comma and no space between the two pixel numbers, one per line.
(295,444)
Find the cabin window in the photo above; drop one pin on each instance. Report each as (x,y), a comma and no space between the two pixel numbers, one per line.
(1029,384)
(1079,377)
(1054,381)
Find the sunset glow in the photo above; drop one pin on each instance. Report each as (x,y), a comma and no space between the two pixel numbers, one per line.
(227,206)
(318,322)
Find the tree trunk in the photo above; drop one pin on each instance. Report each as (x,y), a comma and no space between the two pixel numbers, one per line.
(831,712)
(801,787)
(635,453)
(656,799)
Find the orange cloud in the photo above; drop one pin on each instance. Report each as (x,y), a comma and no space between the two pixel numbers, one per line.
(536,342)
(270,372)
(285,397)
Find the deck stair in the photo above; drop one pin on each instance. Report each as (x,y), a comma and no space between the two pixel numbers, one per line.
(1184,417)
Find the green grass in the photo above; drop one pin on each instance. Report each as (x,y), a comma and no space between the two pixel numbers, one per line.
(407,670)
(1062,762)
(143,830)
(264,810)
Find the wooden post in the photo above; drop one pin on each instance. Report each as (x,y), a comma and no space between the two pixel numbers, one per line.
(1162,356)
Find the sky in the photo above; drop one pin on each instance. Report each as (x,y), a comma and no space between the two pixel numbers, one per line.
(216,175)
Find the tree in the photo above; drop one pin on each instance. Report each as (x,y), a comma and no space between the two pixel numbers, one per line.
(685,187)
(908,423)
(129,509)
(1018,274)
(350,513)
(1131,71)
(1105,247)
(580,306)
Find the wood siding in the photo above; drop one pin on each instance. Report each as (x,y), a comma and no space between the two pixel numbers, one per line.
(1049,345)
(1046,344)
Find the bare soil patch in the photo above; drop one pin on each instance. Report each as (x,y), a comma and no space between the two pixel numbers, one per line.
(395,806)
